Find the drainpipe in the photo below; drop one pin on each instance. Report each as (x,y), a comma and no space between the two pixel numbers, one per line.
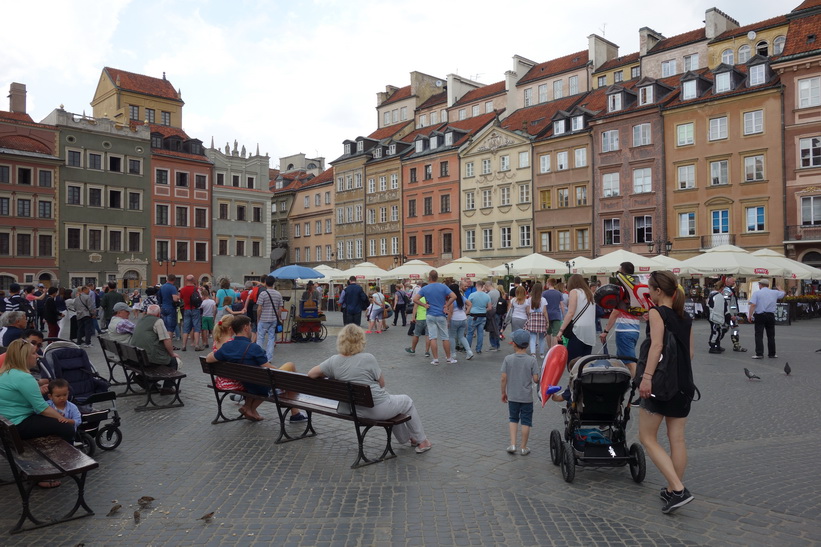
(666,236)
(593,197)
(784,173)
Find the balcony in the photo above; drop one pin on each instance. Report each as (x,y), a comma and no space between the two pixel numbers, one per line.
(714,240)
(805,232)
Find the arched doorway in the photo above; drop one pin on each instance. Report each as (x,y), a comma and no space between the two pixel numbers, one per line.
(45,278)
(131,280)
(6,281)
(812,258)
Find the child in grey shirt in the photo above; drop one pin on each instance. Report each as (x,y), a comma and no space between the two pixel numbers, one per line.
(519,372)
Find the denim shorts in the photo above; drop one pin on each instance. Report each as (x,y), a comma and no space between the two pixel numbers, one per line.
(520,413)
(438,327)
(191,320)
(420,328)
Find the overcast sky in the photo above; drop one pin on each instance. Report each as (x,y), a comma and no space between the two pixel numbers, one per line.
(302,76)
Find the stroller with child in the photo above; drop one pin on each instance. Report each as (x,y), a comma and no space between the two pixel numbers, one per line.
(596,418)
(64,359)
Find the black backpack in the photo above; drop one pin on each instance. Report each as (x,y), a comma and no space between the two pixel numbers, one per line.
(195,300)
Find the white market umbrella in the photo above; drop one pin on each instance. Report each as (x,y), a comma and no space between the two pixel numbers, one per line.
(532,265)
(365,271)
(463,268)
(731,260)
(674,265)
(610,263)
(328,271)
(578,262)
(795,269)
(412,269)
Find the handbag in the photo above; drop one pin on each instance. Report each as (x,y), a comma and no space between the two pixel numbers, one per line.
(665,381)
(569,327)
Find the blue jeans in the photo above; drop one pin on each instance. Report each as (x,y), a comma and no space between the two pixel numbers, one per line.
(520,413)
(269,328)
(537,338)
(191,319)
(456,332)
(477,322)
(626,343)
(169,319)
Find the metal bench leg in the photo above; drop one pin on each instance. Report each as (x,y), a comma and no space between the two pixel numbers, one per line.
(360,437)
(284,437)
(221,417)
(150,404)
(81,500)
(25,493)
(388,446)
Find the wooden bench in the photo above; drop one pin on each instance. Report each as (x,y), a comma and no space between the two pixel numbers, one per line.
(40,459)
(293,390)
(139,370)
(111,354)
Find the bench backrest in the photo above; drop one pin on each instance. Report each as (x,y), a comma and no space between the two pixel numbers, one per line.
(235,371)
(110,350)
(133,356)
(10,436)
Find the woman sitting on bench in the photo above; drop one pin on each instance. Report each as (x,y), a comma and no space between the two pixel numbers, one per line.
(351,365)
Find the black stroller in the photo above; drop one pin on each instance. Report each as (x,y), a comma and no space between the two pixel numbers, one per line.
(596,420)
(63,359)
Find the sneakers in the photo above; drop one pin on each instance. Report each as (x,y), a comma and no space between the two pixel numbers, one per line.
(427,354)
(299,418)
(410,350)
(773,356)
(511,449)
(758,357)
(714,350)
(665,494)
(452,360)
(524,451)
(435,362)
(469,357)
(368,332)
(493,348)
(677,499)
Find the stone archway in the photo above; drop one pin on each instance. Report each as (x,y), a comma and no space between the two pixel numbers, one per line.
(47,279)
(137,271)
(812,258)
(132,280)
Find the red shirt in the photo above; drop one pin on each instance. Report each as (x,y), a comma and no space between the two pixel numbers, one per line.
(185,296)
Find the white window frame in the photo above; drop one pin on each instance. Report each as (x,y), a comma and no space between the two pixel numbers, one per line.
(504,163)
(544,163)
(542,93)
(558,89)
(753,122)
(687,224)
(809,92)
(614,102)
(717,128)
(642,180)
(610,140)
(505,238)
(641,134)
(685,134)
(524,159)
(723,82)
(686,176)
(580,157)
(754,168)
(525,239)
(689,90)
(470,240)
(524,193)
(691,62)
(719,172)
(504,196)
(610,185)
(645,95)
(528,96)
(562,161)
(757,210)
(668,68)
(469,169)
(757,74)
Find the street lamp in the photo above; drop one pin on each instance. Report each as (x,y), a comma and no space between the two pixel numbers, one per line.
(508,265)
(666,244)
(172,263)
(570,264)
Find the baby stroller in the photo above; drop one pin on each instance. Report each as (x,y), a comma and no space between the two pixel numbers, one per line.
(596,420)
(63,359)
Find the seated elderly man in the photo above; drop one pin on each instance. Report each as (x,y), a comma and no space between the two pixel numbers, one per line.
(151,335)
(14,323)
(120,328)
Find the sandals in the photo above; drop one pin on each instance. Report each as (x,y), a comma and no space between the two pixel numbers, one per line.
(49,484)
(244,412)
(423,449)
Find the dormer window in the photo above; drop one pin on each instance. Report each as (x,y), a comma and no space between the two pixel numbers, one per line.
(614,102)
(762,48)
(279,185)
(449,139)
(434,142)
(577,123)
(722,82)
(645,95)
(347,148)
(391,149)
(743,54)
(558,127)
(360,146)
(377,152)
(758,74)
(689,90)
(420,146)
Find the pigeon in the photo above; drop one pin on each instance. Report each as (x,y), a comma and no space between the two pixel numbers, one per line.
(207,517)
(114,509)
(136,517)
(750,375)
(787,369)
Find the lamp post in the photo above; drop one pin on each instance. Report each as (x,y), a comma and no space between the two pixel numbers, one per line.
(667,245)
(570,264)
(172,263)
(508,265)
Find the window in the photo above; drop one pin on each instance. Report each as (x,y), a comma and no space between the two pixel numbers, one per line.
(524,193)
(544,199)
(684,134)
(23,244)
(486,167)
(73,238)
(358,253)
(810,152)
(73,158)
(297,230)
(462,114)
(762,49)
(487,238)
(544,241)
(257,214)
(561,161)
(721,221)
(689,90)
(161,176)
(470,201)
(758,74)
(612,231)
(470,239)
(668,68)
(45,245)
(504,237)
(610,140)
(558,90)
(394,214)
(95,197)
(504,163)
(95,240)
(5,205)
(618,76)
(150,115)
(718,172)
(182,216)
(524,159)
(427,206)
(474,111)
(411,208)
(327,226)
(641,134)
(115,199)
(728,57)
(372,247)
(95,161)
(135,167)
(753,122)
(240,212)
(115,164)
(307,229)
(444,204)
(646,95)
(395,181)
(614,102)
(686,224)
(642,180)
(582,239)
(564,240)
(223,211)
(297,254)
(691,62)
(581,195)
(577,123)
(528,96)
(558,127)
(383,183)
(754,168)
(156,141)
(73,195)
(200,218)
(370,216)
(371,186)
(601,81)
(357,213)
(744,54)
(383,214)
(134,201)
(413,174)
(411,245)
(45,178)
(403,113)
(447,243)
(610,185)
(718,128)
(778,45)
(306,202)
(563,197)
(635,72)
(166,118)
(755,219)
(544,163)
(722,82)
(686,177)
(543,93)
(133,112)
(809,92)
(811,210)
(487,199)
(643,228)
(357,179)
(469,169)
(488,108)
(328,197)
(504,196)
(23,207)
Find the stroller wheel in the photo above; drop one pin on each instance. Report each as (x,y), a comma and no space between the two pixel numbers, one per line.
(109,437)
(86,443)
(568,462)
(555,446)
(638,463)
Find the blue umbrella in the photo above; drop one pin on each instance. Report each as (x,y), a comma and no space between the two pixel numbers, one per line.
(296,272)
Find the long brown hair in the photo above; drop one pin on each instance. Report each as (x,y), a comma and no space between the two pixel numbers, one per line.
(536,296)
(576,281)
(521,295)
(667,282)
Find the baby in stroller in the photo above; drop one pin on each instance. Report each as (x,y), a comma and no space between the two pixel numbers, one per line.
(66,360)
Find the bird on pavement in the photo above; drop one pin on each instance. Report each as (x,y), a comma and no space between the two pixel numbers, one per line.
(787,369)
(750,375)
(114,509)
(136,517)
(207,517)
(145,501)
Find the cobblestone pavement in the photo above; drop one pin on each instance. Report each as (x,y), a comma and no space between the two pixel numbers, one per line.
(752,466)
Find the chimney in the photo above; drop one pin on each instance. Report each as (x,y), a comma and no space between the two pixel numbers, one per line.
(17,98)
(600,50)
(717,22)
(648,38)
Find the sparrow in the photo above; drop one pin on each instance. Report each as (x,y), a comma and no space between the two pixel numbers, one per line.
(114,509)
(145,501)
(136,517)
(750,375)
(207,517)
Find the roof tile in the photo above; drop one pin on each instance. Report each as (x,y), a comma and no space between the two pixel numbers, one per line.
(434,100)
(24,143)
(555,66)
(741,31)
(157,87)
(481,93)
(398,95)
(534,119)
(388,131)
(803,36)
(679,40)
(619,61)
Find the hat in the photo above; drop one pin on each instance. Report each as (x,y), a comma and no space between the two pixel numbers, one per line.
(121,306)
(521,338)
(310,283)
(41,285)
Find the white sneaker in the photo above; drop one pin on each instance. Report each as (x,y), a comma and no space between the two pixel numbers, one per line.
(435,362)
(452,360)
(469,357)
(511,449)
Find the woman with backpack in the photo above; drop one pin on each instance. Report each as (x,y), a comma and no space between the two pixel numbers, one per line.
(400,305)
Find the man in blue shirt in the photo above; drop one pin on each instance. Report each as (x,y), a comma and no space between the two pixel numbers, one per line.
(169,296)
(762,311)
(354,302)
(479,306)
(555,311)
(437,296)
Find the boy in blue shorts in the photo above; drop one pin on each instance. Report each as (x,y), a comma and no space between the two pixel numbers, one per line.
(519,372)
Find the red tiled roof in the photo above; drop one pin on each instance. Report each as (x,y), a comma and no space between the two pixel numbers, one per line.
(398,95)
(619,61)
(481,93)
(439,98)
(388,130)
(324,177)
(741,31)
(800,30)
(595,101)
(272,173)
(157,87)
(807,4)
(555,66)
(290,180)
(472,125)
(26,144)
(15,116)
(534,119)
(409,138)
(679,40)
(180,155)
(164,130)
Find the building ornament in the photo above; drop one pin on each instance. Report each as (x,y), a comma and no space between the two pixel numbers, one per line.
(494,142)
